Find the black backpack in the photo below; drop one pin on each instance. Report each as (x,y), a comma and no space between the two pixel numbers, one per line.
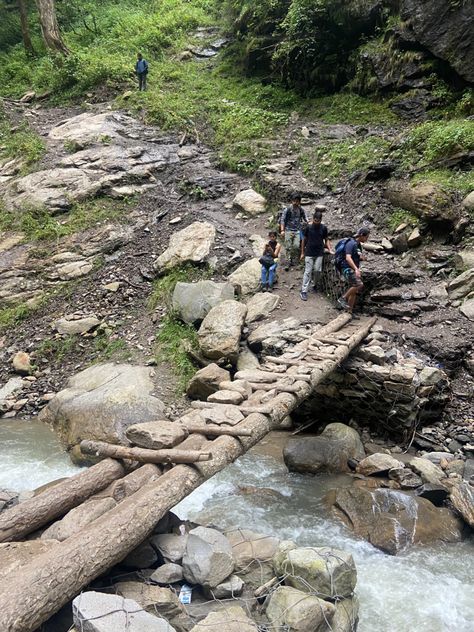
(340,252)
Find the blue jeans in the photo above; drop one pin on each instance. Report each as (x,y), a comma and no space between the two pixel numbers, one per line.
(268,275)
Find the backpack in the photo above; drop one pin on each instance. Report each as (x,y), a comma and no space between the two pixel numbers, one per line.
(340,252)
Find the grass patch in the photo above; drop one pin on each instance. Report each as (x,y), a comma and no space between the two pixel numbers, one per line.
(37,224)
(163,287)
(401,216)
(11,316)
(56,349)
(106,348)
(351,109)
(171,339)
(333,161)
(451,179)
(20,143)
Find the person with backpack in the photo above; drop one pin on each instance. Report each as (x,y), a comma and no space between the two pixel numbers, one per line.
(269,262)
(315,240)
(293,219)
(348,256)
(141,70)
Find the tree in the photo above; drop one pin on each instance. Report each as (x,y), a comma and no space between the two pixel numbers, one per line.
(25,31)
(49,26)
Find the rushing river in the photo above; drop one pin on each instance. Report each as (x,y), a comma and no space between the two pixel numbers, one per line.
(426,589)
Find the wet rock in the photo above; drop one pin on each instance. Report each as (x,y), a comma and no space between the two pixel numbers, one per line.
(230,619)
(462,499)
(328,452)
(99,612)
(167,574)
(253,553)
(71,324)
(14,384)
(295,611)
(429,472)
(405,478)
(436,494)
(246,278)
(21,363)
(207,559)
(193,301)
(377,463)
(171,546)
(155,435)
(427,200)
(219,334)
(392,520)
(250,202)
(100,402)
(192,244)
(14,555)
(260,306)
(462,285)
(206,381)
(346,618)
(324,571)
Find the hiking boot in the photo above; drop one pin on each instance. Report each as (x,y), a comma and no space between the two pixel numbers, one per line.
(315,289)
(343,304)
(355,316)
(270,288)
(265,288)
(304,296)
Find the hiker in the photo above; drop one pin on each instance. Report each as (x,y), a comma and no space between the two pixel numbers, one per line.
(315,240)
(293,219)
(348,258)
(269,261)
(141,70)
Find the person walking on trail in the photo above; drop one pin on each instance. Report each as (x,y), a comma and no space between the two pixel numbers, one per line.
(269,262)
(293,220)
(141,70)
(315,240)
(349,267)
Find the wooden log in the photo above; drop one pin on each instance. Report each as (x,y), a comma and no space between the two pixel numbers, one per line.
(282,388)
(213,430)
(142,455)
(55,501)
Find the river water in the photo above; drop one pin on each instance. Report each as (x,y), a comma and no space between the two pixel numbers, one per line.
(426,589)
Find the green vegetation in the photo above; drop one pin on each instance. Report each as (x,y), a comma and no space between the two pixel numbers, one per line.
(349,108)
(163,287)
(107,348)
(20,142)
(401,216)
(11,316)
(172,340)
(37,224)
(332,161)
(56,349)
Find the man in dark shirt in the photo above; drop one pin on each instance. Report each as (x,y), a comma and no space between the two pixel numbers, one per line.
(350,268)
(292,221)
(141,70)
(315,240)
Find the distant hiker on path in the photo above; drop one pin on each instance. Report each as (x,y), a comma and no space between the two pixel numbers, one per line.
(347,261)
(269,262)
(141,70)
(292,222)
(315,240)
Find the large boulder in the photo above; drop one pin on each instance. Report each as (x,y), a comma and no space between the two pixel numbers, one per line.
(246,278)
(445,29)
(192,244)
(253,554)
(295,611)
(274,336)
(462,499)
(100,612)
(250,202)
(207,559)
(229,619)
(88,127)
(346,617)
(100,402)
(170,545)
(193,301)
(377,463)
(426,200)
(327,572)
(219,334)
(392,521)
(206,381)
(328,452)
(429,472)
(462,285)
(467,308)
(154,599)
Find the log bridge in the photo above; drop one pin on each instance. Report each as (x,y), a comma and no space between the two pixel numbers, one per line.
(215,435)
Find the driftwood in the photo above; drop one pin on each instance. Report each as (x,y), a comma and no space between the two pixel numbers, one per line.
(55,501)
(213,430)
(143,455)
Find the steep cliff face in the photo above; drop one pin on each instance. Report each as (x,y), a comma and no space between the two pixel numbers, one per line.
(446,29)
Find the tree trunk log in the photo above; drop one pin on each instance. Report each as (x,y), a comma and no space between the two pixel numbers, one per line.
(142,455)
(54,502)
(25,30)
(50,28)
(215,431)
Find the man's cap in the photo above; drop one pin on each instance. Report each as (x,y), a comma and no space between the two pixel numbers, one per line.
(363,232)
